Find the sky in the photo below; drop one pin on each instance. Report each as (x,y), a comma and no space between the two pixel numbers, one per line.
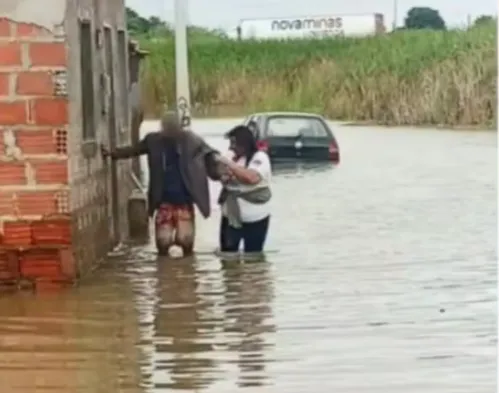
(226,14)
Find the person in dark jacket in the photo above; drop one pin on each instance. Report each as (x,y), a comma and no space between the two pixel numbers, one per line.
(180,163)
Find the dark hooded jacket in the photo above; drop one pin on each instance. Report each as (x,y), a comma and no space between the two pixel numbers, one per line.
(197,163)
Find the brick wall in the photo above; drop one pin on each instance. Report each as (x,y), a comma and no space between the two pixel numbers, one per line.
(61,206)
(33,159)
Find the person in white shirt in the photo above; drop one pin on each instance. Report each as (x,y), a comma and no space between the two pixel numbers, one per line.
(246,194)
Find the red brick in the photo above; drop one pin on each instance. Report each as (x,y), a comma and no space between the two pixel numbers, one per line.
(68,265)
(41,263)
(36,141)
(35,84)
(40,269)
(52,231)
(4,27)
(12,113)
(47,54)
(51,172)
(10,54)
(28,30)
(28,202)
(17,233)
(12,173)
(50,111)
(36,202)
(6,203)
(4,83)
(9,266)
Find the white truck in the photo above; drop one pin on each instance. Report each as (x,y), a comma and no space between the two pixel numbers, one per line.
(311,26)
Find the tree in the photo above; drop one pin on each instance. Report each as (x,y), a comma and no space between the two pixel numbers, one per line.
(424,18)
(153,26)
(484,20)
(138,25)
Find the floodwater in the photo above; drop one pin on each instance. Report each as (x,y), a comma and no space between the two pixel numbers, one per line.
(380,277)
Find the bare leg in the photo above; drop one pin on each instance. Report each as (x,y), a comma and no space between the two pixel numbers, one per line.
(165,235)
(165,229)
(186,231)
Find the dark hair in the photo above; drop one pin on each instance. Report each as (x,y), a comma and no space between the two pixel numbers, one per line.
(245,139)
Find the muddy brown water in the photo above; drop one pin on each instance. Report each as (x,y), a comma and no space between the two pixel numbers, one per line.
(381,278)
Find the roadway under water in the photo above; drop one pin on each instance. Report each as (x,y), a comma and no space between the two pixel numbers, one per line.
(383,279)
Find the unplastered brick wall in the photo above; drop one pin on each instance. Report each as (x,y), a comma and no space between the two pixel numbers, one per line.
(58,198)
(33,122)
(35,230)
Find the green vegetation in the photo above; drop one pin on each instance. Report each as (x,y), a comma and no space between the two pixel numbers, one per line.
(485,20)
(411,77)
(153,27)
(424,18)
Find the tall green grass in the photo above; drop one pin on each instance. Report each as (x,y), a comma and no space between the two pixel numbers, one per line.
(407,77)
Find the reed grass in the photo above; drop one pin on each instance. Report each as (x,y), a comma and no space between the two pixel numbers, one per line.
(403,78)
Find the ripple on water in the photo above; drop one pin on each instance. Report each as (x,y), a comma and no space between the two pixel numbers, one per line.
(384,279)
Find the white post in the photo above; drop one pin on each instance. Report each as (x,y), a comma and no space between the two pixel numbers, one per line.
(181,63)
(395,16)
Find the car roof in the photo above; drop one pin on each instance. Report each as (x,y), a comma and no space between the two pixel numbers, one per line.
(290,114)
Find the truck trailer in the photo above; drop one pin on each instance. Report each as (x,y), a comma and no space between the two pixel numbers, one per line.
(330,25)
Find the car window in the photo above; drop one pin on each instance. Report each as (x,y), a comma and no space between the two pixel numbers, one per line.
(252,123)
(311,127)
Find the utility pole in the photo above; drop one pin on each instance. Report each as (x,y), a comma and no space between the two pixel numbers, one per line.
(182,92)
(395,17)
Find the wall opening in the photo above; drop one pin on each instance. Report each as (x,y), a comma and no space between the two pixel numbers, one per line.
(124,85)
(87,80)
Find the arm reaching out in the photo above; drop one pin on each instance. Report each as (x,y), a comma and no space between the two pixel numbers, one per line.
(258,168)
(214,168)
(127,151)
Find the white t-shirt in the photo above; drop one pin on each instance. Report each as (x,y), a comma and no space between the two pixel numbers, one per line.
(251,212)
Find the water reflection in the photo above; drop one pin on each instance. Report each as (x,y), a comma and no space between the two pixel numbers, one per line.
(300,168)
(79,341)
(385,268)
(208,317)
(248,317)
(184,329)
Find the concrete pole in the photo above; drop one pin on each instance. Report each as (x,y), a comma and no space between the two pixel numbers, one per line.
(183,96)
(395,16)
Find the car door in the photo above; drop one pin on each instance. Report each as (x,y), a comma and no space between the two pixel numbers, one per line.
(316,141)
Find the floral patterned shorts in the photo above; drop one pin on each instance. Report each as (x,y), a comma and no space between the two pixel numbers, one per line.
(171,215)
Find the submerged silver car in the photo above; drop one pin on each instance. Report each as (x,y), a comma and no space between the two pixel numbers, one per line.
(289,136)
